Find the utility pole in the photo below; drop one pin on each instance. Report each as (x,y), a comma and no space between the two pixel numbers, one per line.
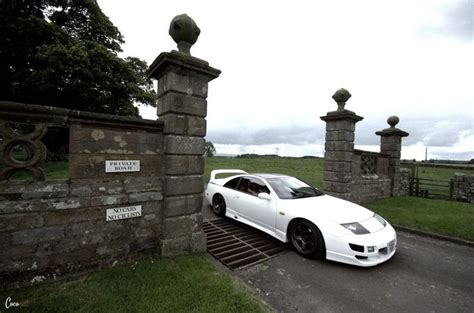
(426,154)
(277,149)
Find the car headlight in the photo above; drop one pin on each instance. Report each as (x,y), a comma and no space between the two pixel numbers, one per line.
(356,228)
(380,219)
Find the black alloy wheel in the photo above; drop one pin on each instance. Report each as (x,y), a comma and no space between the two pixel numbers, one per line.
(307,239)
(218,205)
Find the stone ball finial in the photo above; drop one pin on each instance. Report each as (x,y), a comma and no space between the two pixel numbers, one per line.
(341,96)
(184,32)
(393,120)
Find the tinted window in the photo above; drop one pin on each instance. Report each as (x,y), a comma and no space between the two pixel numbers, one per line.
(253,186)
(233,183)
(287,187)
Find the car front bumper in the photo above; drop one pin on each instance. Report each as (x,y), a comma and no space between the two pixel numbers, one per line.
(372,249)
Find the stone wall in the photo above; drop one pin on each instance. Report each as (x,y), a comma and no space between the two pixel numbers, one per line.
(369,183)
(463,188)
(48,228)
(358,175)
(405,178)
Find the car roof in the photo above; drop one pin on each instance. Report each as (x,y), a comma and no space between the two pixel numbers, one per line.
(268,175)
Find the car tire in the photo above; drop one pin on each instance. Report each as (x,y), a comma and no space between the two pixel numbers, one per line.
(218,205)
(307,239)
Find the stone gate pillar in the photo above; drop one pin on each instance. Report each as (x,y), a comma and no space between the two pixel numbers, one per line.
(391,145)
(182,106)
(339,147)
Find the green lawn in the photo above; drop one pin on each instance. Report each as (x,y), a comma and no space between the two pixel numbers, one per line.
(437,216)
(307,169)
(178,284)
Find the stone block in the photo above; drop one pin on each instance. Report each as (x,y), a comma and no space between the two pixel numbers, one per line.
(181,104)
(340,135)
(337,166)
(36,190)
(183,82)
(176,246)
(68,218)
(184,164)
(29,236)
(183,205)
(345,124)
(139,184)
(388,148)
(18,206)
(339,146)
(12,222)
(67,203)
(390,140)
(343,156)
(181,226)
(145,196)
(198,242)
(337,187)
(184,145)
(184,125)
(109,200)
(183,185)
(80,134)
(342,177)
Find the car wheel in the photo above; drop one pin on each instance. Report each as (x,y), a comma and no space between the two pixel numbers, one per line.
(307,239)
(218,205)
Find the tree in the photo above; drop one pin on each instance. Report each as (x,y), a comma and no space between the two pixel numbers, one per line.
(210,150)
(63,53)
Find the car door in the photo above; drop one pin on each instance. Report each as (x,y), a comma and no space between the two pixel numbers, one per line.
(231,195)
(260,212)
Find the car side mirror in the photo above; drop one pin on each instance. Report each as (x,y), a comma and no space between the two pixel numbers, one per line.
(264,196)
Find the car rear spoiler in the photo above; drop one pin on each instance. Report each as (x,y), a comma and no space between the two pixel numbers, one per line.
(225,171)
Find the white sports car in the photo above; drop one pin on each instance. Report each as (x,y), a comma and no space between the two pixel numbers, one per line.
(317,225)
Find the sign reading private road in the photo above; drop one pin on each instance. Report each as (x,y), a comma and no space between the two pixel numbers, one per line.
(123,213)
(122,166)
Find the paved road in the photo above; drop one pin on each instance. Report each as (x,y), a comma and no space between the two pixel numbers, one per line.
(425,275)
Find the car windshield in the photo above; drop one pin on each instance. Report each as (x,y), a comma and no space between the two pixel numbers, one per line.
(287,187)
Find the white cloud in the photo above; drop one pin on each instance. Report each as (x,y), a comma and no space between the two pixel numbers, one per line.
(281,61)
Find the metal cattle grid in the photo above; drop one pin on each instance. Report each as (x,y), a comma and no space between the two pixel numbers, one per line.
(237,245)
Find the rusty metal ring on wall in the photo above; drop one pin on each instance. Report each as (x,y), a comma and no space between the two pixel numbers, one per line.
(37,149)
(7,131)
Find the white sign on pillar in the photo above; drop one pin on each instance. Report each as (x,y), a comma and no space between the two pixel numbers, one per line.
(115,166)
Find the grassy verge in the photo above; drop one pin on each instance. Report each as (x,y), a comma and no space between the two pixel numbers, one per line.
(437,216)
(180,284)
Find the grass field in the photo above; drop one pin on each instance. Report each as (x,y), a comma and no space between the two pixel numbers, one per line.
(437,216)
(307,169)
(178,284)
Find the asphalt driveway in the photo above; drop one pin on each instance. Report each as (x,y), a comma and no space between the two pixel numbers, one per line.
(425,275)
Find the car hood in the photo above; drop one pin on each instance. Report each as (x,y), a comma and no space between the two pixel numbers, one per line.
(337,210)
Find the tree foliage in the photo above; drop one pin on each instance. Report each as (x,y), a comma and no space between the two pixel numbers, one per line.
(210,150)
(64,53)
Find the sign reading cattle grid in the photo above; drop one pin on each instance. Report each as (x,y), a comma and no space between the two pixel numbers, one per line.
(123,213)
(122,166)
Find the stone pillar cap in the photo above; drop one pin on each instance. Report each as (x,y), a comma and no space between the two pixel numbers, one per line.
(341,96)
(392,130)
(184,32)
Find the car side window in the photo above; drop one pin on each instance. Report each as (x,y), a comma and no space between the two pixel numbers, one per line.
(253,186)
(233,183)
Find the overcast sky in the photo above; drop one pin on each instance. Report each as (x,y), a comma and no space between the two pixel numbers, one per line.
(282,61)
